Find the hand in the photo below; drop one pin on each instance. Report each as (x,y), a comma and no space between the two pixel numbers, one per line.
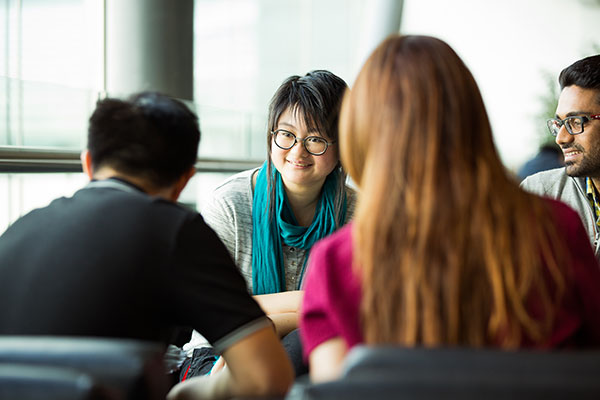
(196,388)
(218,366)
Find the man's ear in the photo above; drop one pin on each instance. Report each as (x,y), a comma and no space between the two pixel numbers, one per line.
(86,163)
(179,185)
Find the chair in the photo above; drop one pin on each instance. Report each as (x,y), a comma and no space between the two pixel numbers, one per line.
(119,368)
(26,382)
(402,373)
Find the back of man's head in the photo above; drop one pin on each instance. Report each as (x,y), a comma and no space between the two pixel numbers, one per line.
(584,73)
(150,136)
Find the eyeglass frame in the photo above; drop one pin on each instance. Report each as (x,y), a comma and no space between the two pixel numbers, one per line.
(296,140)
(583,119)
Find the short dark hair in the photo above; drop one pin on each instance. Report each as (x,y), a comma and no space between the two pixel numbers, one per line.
(149,135)
(584,73)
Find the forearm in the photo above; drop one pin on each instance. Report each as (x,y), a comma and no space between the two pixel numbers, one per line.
(280,303)
(326,360)
(220,385)
(217,386)
(255,366)
(284,322)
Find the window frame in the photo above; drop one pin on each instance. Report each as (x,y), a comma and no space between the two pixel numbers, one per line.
(20,159)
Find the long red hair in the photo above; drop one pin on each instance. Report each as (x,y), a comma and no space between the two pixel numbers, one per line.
(448,246)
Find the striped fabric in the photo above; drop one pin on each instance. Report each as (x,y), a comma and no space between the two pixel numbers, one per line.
(592,194)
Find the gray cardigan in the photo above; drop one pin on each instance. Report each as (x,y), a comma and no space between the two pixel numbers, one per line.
(556,184)
(229,214)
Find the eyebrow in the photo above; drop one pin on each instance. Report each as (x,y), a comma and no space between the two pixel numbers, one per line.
(310,133)
(575,114)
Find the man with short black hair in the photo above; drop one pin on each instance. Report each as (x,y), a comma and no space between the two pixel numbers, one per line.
(121,259)
(577,130)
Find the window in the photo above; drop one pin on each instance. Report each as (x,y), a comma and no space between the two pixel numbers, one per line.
(53,70)
(244,49)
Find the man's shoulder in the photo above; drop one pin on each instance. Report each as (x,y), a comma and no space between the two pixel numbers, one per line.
(127,210)
(548,175)
(557,184)
(546,181)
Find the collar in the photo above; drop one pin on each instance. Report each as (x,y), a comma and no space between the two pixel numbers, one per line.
(593,198)
(115,183)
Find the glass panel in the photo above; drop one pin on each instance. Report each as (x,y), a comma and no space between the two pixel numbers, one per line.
(4,34)
(516,58)
(200,188)
(44,114)
(244,49)
(21,193)
(231,134)
(53,69)
(61,42)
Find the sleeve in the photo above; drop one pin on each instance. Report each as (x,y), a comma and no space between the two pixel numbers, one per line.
(316,326)
(586,275)
(208,292)
(533,184)
(220,217)
(546,183)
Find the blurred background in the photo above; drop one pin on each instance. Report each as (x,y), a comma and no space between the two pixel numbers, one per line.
(227,57)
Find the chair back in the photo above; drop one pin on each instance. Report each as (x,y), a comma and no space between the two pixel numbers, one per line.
(120,368)
(26,382)
(393,372)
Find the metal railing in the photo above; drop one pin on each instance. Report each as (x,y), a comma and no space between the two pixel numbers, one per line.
(33,159)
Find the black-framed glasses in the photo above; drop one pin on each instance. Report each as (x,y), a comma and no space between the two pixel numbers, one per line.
(315,145)
(573,124)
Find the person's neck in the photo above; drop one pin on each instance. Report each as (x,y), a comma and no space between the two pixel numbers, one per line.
(108,173)
(303,202)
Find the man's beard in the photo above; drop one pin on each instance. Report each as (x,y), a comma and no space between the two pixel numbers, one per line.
(589,165)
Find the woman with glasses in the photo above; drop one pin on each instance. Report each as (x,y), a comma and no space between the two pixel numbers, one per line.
(445,248)
(270,217)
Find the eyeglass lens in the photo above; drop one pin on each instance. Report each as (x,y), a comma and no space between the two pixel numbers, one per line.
(574,125)
(313,144)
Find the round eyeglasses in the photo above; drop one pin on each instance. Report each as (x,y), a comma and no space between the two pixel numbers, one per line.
(574,124)
(315,145)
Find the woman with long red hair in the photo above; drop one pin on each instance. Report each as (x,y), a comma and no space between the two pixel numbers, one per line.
(445,248)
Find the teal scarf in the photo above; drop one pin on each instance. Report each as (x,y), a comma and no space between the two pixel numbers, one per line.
(269,233)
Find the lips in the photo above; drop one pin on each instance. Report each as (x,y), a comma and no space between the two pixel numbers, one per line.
(571,154)
(299,164)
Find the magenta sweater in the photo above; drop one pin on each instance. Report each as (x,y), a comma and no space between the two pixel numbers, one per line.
(333,292)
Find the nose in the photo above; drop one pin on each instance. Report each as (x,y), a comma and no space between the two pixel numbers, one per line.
(563,138)
(299,148)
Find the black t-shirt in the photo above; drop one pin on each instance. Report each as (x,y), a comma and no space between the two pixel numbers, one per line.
(113,261)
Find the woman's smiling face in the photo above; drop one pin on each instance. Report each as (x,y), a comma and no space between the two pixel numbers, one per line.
(299,169)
